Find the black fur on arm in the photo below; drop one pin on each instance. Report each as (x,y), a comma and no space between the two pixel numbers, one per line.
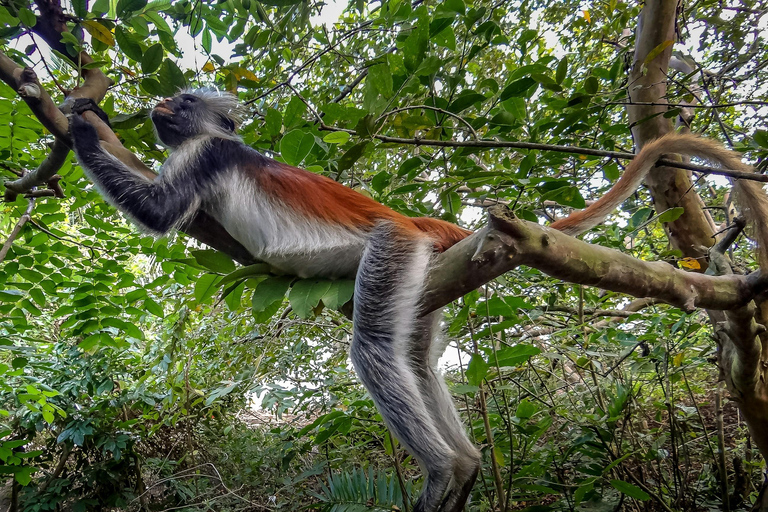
(157,205)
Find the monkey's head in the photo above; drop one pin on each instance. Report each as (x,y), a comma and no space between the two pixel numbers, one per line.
(194,113)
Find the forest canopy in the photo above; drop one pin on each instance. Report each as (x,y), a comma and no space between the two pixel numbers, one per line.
(620,371)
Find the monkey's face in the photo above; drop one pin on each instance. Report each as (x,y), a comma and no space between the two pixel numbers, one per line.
(186,116)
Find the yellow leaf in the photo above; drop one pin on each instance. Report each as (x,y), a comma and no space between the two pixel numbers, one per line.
(241,73)
(678,359)
(127,71)
(657,51)
(691,263)
(498,455)
(99,32)
(209,67)
(586,16)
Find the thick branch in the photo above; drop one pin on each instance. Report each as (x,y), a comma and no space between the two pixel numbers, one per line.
(508,242)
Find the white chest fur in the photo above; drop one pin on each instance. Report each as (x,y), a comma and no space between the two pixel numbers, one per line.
(284,238)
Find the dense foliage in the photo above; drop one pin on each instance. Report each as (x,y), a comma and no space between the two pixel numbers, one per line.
(141,373)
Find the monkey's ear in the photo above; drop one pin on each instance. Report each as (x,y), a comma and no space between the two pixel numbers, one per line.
(227,124)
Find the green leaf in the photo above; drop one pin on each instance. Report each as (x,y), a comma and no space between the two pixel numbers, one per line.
(591,85)
(306,294)
(352,155)
(517,88)
(465,100)
(296,145)
(336,138)
(153,87)
(171,78)
(11,295)
(671,215)
(214,260)
(630,490)
(562,70)
(269,291)
(152,58)
(516,354)
(126,7)
(257,269)
(80,7)
(128,45)
(153,307)
(477,370)
(456,6)
(27,17)
(273,121)
(339,293)
(525,409)
(381,78)
(205,287)
(761,137)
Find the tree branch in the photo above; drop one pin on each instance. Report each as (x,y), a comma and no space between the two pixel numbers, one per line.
(499,144)
(508,242)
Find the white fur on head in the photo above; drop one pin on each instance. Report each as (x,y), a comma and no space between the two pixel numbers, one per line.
(220,102)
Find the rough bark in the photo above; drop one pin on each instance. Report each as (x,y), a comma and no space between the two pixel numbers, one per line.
(740,331)
(691,233)
(509,241)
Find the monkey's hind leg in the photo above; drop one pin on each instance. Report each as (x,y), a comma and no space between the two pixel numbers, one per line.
(427,347)
(387,292)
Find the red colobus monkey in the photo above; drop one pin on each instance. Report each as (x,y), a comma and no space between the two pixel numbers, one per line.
(311,226)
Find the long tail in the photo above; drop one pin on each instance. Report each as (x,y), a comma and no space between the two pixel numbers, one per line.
(750,195)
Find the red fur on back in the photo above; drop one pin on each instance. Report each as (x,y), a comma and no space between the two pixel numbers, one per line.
(321,198)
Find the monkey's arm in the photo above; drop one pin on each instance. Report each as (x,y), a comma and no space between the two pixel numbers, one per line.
(156,205)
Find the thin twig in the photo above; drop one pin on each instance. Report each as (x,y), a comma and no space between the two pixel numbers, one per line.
(17,228)
(427,107)
(498,144)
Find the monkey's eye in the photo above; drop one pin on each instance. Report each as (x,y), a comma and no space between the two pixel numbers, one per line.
(188,99)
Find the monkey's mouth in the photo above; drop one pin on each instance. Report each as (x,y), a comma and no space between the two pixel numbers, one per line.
(162,109)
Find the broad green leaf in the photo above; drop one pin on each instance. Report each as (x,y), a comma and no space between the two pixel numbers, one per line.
(339,293)
(672,214)
(127,7)
(171,78)
(205,287)
(517,88)
(306,294)
(630,490)
(128,44)
(562,70)
(516,354)
(525,409)
(296,145)
(477,370)
(152,58)
(269,291)
(336,138)
(257,269)
(27,17)
(352,155)
(214,260)
(153,307)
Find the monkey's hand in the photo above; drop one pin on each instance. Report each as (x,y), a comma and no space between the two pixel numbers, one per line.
(85,139)
(81,105)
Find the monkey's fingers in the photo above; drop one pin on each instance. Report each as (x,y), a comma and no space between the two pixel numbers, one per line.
(82,105)
(83,134)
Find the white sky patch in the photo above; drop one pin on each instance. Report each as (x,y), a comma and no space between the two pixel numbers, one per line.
(329,14)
